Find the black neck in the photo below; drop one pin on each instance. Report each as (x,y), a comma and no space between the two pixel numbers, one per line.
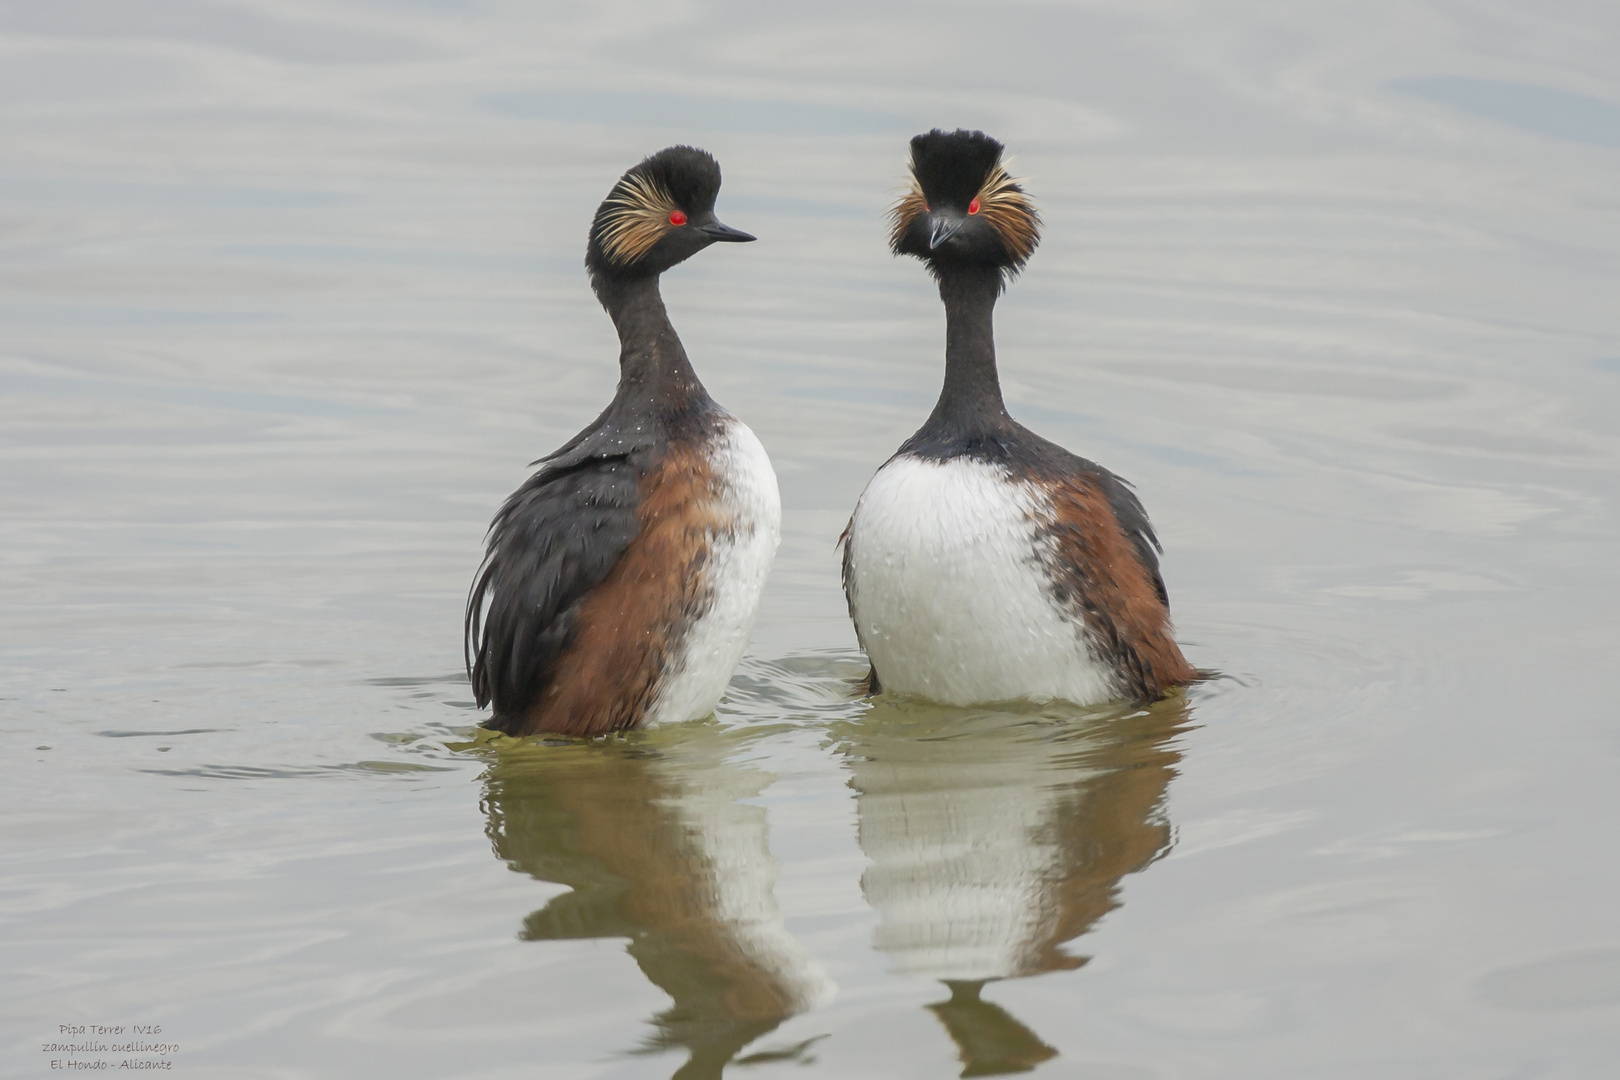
(970,402)
(653,368)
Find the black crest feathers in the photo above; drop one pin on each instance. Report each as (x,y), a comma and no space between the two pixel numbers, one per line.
(961,173)
(636,214)
(951,166)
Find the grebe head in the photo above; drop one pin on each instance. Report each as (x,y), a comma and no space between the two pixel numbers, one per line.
(963,209)
(660,213)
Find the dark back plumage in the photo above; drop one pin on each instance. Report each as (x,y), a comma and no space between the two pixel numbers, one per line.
(553,540)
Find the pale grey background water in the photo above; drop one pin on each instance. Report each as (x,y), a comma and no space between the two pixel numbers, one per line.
(291,293)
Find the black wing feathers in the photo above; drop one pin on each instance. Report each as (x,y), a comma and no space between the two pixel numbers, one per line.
(555,539)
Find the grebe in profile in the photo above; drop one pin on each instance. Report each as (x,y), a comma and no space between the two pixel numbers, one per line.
(984,563)
(620,582)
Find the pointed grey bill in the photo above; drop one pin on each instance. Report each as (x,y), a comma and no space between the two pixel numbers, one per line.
(717,231)
(944,229)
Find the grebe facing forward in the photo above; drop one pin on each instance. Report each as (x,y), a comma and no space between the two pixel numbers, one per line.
(984,563)
(619,584)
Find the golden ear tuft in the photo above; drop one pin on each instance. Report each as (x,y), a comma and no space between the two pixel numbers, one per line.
(911,205)
(634,218)
(1009,209)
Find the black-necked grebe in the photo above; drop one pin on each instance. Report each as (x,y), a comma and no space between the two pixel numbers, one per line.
(620,582)
(984,563)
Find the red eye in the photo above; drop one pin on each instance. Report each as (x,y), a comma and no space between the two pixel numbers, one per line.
(677,218)
(973,207)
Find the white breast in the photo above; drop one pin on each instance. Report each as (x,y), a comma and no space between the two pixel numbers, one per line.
(950,595)
(734,573)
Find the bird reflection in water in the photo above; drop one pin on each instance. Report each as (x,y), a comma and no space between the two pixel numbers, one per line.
(653,837)
(994,838)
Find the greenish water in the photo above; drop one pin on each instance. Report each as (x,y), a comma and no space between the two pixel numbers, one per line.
(289,297)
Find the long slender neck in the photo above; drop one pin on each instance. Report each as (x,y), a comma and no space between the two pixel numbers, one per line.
(653,368)
(970,401)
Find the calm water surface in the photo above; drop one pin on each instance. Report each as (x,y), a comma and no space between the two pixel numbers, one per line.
(289,295)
